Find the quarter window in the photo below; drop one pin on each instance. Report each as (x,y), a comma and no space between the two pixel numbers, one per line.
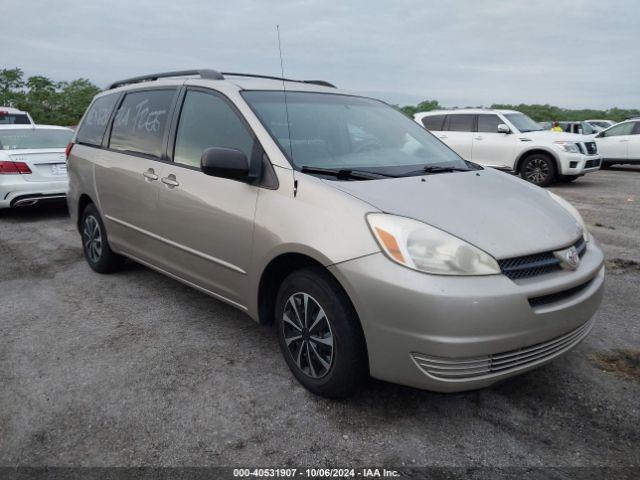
(140,122)
(460,123)
(488,123)
(208,121)
(433,122)
(95,120)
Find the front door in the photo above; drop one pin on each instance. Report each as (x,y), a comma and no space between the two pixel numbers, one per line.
(208,221)
(613,144)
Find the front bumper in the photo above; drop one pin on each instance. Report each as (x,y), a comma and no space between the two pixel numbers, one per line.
(408,316)
(579,164)
(14,189)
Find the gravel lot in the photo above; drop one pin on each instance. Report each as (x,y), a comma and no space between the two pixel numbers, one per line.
(137,369)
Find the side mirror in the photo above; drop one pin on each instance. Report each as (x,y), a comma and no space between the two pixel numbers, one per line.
(225,163)
(502,128)
(599,135)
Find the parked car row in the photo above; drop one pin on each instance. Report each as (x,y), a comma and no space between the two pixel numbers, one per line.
(509,140)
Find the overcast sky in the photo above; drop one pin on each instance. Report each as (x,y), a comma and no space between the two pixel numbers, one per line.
(578,53)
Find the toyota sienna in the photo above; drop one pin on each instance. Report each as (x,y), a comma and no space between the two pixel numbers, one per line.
(373,247)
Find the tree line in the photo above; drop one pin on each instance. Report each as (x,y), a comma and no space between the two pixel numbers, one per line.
(63,103)
(539,113)
(49,102)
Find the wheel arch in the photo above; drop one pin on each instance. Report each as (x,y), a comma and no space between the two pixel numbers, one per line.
(83,201)
(274,274)
(540,151)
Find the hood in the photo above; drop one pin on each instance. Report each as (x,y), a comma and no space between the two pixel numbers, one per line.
(501,214)
(548,135)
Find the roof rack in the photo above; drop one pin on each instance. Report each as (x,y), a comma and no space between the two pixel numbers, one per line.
(322,83)
(210,75)
(203,73)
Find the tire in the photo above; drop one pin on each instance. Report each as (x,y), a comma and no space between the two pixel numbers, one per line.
(569,178)
(95,245)
(539,169)
(337,365)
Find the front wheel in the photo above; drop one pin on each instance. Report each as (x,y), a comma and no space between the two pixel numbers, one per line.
(320,335)
(95,245)
(538,169)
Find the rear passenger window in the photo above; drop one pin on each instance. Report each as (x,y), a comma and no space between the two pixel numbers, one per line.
(460,123)
(208,121)
(488,123)
(95,121)
(433,122)
(140,122)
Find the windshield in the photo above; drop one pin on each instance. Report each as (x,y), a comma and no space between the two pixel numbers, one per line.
(31,138)
(7,118)
(344,132)
(587,129)
(522,122)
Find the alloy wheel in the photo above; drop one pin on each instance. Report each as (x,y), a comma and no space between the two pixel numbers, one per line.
(537,170)
(92,237)
(307,335)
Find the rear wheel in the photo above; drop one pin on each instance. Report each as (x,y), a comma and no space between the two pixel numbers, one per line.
(320,335)
(95,245)
(539,169)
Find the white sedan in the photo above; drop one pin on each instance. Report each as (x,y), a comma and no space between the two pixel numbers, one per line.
(33,165)
(620,143)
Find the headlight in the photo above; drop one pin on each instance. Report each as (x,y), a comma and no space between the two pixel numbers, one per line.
(574,213)
(422,247)
(570,147)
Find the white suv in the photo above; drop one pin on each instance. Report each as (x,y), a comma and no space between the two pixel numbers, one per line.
(509,140)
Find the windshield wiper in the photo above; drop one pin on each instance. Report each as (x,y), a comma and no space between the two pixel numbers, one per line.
(346,173)
(436,169)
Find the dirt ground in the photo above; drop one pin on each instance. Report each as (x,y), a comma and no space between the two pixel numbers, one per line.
(138,369)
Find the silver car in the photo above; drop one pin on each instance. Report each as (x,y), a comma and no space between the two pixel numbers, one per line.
(372,247)
(32,164)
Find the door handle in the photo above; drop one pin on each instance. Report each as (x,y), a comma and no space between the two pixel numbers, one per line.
(479,138)
(622,141)
(170,181)
(150,174)
(442,136)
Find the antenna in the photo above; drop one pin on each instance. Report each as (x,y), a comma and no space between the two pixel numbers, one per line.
(286,109)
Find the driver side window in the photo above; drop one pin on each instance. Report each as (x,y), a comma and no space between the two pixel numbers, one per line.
(208,121)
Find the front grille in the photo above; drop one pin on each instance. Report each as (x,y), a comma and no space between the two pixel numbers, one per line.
(591,147)
(557,296)
(461,369)
(536,264)
(591,163)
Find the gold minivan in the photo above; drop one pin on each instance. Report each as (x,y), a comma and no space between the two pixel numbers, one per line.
(371,245)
